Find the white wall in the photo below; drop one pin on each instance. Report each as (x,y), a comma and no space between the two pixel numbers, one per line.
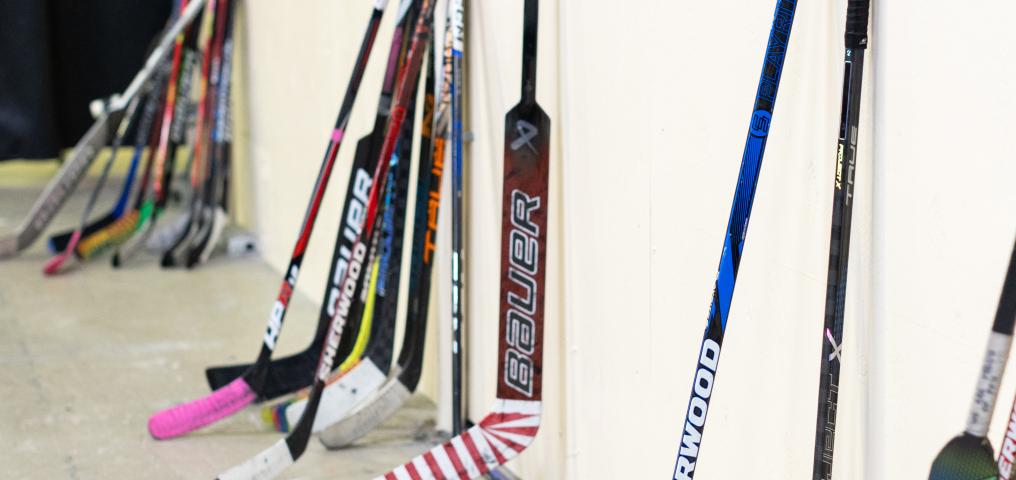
(650,103)
(945,220)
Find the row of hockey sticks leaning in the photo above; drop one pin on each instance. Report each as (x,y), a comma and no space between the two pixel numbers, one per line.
(181,97)
(345,383)
(348,380)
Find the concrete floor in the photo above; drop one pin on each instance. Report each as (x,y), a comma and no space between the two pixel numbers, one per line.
(86,357)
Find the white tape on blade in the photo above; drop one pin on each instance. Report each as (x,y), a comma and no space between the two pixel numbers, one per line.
(340,397)
(265,465)
(366,416)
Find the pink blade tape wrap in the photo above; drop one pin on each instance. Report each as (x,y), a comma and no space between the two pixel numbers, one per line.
(185,418)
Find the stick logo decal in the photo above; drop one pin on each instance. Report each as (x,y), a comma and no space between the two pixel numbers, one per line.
(520,331)
(527,133)
(836,348)
(279,307)
(698,407)
(353,224)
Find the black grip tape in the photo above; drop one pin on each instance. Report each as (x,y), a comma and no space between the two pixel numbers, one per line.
(857,23)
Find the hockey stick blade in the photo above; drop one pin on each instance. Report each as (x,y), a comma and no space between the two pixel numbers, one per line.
(62,184)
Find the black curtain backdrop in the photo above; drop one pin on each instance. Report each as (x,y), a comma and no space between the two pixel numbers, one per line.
(56,56)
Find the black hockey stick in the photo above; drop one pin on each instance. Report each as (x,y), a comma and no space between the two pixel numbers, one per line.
(456,11)
(856,39)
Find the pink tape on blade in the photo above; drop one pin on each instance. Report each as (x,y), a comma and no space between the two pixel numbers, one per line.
(187,417)
(53,265)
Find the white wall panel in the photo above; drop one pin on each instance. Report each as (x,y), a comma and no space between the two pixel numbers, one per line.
(944,220)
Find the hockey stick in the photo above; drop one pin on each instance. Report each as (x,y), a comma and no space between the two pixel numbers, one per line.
(456,13)
(272,461)
(969,456)
(296,371)
(515,419)
(856,39)
(737,226)
(74,168)
(406,375)
(52,266)
(231,398)
(344,389)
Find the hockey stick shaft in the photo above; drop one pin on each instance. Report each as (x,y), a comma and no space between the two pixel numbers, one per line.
(856,40)
(456,13)
(995,357)
(737,225)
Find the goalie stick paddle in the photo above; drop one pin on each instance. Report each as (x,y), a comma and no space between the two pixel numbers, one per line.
(515,419)
(296,371)
(67,178)
(856,39)
(244,390)
(387,400)
(733,243)
(970,456)
(52,266)
(272,461)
